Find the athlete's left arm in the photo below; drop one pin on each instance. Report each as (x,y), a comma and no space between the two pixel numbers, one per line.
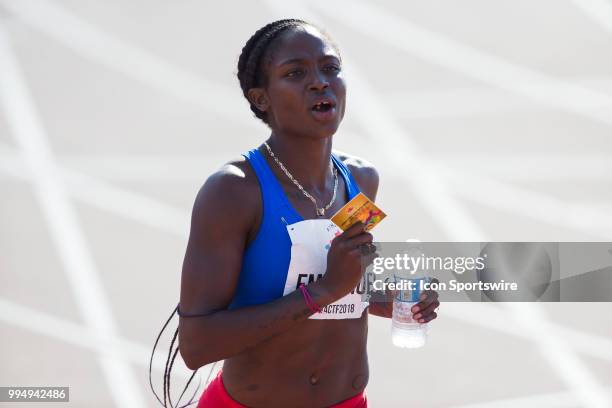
(367,178)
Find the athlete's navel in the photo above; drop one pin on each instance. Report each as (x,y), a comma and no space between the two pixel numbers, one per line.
(314,379)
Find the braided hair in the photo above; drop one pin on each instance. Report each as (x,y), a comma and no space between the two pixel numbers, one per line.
(251,74)
(172,353)
(257,52)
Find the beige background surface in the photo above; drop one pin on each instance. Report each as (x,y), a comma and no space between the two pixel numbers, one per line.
(487,120)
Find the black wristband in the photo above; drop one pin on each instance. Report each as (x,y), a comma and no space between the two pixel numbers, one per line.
(181,314)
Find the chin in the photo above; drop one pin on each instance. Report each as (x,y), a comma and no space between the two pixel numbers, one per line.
(313,129)
(325,131)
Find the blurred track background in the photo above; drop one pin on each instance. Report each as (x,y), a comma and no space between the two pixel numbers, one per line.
(487,120)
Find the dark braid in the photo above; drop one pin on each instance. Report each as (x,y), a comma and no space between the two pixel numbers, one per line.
(251,70)
(172,354)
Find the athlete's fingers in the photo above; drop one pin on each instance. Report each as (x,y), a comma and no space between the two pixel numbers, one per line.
(356,241)
(367,249)
(428,318)
(353,231)
(427,298)
(428,310)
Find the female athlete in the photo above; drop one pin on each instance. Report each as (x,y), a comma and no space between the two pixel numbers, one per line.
(268,282)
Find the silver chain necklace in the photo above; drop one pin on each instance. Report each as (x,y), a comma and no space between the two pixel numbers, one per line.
(320,211)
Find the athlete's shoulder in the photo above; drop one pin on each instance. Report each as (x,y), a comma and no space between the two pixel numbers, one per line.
(232,189)
(363,171)
(231,179)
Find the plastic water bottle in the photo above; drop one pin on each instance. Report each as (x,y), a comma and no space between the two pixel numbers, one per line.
(405,331)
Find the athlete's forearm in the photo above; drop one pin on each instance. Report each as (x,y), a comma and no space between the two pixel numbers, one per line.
(225,333)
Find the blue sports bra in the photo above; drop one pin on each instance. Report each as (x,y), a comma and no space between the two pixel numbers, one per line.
(266,260)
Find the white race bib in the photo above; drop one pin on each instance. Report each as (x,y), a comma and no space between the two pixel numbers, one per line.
(310,242)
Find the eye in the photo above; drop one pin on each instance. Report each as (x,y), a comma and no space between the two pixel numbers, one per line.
(332,68)
(294,73)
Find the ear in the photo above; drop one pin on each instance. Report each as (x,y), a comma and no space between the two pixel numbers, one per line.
(259,98)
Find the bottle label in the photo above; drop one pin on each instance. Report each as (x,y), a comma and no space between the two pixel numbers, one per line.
(412,291)
(402,312)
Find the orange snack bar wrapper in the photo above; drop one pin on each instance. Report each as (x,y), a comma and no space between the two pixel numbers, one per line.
(360,208)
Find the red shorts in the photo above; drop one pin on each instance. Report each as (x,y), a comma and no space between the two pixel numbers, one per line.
(215,396)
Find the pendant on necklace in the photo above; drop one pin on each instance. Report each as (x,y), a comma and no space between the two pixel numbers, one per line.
(320,212)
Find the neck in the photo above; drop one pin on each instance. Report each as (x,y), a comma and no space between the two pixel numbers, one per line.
(308,160)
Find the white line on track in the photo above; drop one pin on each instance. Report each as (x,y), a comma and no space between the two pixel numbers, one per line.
(63,224)
(599,11)
(138,207)
(102,195)
(531,204)
(557,351)
(492,316)
(84,337)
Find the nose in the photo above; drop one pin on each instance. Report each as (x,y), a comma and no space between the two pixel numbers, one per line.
(319,82)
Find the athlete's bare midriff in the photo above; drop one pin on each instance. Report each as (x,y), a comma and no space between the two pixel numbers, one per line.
(317,364)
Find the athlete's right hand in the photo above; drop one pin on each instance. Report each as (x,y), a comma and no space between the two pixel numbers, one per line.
(344,261)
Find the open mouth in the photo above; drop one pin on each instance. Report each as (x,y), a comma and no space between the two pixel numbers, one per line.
(322,107)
